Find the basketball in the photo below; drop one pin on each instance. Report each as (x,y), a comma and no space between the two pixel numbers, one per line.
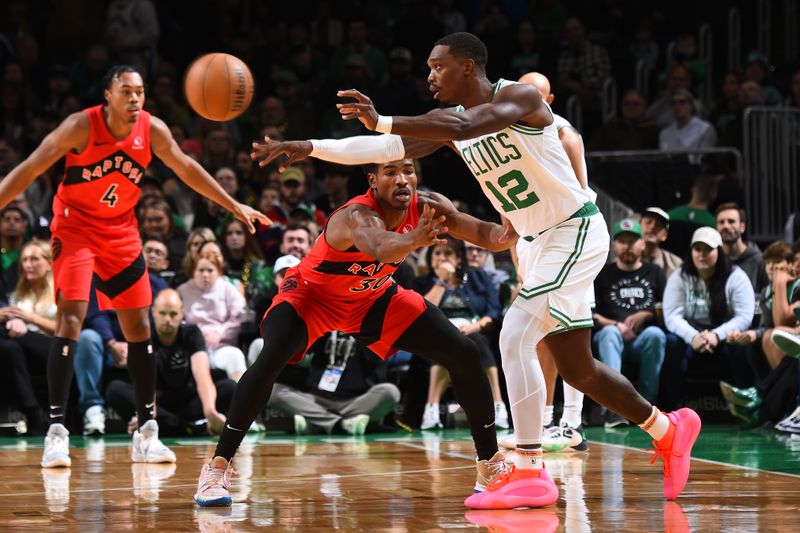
(219,86)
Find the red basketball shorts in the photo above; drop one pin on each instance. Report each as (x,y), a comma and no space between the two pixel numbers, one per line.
(108,249)
(376,321)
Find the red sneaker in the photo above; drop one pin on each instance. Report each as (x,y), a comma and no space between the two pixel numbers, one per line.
(516,488)
(675,450)
(508,521)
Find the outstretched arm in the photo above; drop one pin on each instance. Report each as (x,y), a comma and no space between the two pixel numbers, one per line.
(71,134)
(493,237)
(358,150)
(518,102)
(360,226)
(195,176)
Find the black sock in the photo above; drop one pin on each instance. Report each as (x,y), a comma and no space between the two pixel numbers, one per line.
(142,369)
(59,376)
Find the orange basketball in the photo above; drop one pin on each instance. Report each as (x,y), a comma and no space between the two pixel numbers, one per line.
(219,86)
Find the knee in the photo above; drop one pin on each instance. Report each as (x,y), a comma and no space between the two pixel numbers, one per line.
(387,392)
(138,328)
(609,333)
(654,337)
(89,341)
(70,325)
(509,340)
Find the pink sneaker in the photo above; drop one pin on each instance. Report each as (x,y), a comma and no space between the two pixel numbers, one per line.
(516,488)
(213,487)
(675,450)
(509,521)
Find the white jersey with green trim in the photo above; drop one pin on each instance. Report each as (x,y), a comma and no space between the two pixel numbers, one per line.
(525,173)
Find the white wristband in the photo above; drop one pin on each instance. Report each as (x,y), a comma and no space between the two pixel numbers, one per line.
(384,124)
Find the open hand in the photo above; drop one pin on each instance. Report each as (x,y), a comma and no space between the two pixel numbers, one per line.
(362,109)
(266,152)
(247,215)
(428,228)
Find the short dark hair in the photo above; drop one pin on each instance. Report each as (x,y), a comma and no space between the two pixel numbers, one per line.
(115,72)
(294,226)
(778,251)
(466,45)
(370,168)
(731,205)
(17,209)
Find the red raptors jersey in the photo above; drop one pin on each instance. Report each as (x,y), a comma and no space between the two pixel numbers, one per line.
(344,275)
(103,180)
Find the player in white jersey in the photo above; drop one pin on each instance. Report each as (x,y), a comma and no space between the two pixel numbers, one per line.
(568,434)
(505,134)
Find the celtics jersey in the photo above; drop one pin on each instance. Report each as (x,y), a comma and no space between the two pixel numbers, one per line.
(525,173)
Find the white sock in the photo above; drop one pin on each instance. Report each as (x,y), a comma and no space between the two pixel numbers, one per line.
(548,415)
(656,425)
(528,459)
(573,405)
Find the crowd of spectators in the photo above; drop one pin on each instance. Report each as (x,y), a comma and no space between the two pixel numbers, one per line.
(673,294)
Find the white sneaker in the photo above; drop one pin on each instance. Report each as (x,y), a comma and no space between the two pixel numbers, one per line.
(213,487)
(790,424)
(147,448)
(300,425)
(56,447)
(564,439)
(431,419)
(94,421)
(500,415)
(786,342)
(509,442)
(356,425)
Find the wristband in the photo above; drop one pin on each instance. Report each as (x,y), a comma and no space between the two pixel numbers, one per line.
(384,124)
(440,282)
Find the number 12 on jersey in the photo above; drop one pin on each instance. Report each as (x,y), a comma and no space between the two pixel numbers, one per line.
(513,184)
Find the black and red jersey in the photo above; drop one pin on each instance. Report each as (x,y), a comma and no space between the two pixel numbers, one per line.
(103,180)
(349,274)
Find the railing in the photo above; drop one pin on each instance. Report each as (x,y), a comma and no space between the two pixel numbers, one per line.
(645,178)
(612,209)
(772,173)
(575,112)
(734,39)
(643,72)
(608,99)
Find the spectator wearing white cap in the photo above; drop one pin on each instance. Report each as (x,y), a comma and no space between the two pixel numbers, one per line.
(655,230)
(262,301)
(704,301)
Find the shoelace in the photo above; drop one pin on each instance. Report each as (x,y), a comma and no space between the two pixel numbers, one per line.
(59,444)
(665,456)
(504,470)
(216,477)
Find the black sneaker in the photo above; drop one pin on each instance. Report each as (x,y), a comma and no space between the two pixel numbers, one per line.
(613,420)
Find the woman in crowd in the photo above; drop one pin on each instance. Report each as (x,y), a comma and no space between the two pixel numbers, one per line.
(27,327)
(244,260)
(197,238)
(156,220)
(217,308)
(705,301)
(470,300)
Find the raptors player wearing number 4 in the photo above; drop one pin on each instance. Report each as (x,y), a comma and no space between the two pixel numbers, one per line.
(505,134)
(95,233)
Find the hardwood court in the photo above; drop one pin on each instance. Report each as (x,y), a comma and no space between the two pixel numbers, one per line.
(393,483)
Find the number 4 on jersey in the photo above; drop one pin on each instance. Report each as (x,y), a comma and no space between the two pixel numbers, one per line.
(110,197)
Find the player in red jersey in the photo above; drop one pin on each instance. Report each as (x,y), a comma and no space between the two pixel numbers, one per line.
(95,233)
(345,283)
